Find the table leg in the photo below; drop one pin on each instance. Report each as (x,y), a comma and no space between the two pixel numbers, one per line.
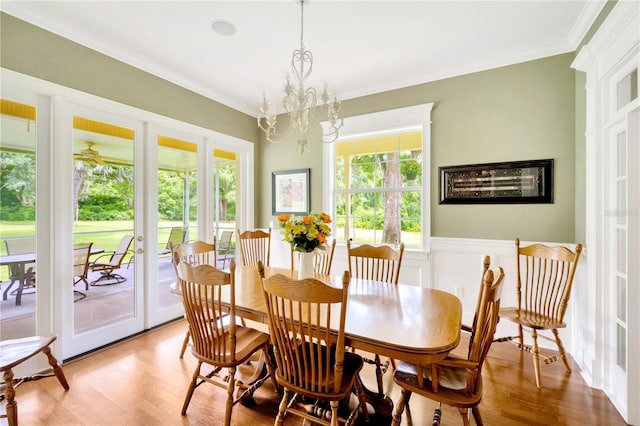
(21,279)
(382,407)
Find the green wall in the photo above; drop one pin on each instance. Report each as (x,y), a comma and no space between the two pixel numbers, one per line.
(518,112)
(30,50)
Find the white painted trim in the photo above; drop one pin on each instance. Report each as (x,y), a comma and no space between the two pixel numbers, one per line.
(612,51)
(416,117)
(582,25)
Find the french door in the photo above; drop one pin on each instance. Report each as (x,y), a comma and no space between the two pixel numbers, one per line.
(99,171)
(95,171)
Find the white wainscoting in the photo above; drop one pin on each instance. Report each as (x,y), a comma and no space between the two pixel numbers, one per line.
(455,265)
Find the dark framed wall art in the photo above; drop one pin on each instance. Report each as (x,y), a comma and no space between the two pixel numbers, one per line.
(290,192)
(497,183)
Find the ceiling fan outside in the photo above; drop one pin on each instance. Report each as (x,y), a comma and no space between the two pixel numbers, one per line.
(90,155)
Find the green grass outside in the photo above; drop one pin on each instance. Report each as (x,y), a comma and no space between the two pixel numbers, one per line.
(107,234)
(104,234)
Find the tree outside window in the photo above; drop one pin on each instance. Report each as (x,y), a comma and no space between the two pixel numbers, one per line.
(378,189)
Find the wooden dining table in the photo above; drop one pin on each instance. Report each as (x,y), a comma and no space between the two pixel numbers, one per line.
(402,322)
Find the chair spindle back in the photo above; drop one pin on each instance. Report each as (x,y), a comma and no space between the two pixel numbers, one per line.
(544,278)
(255,246)
(380,263)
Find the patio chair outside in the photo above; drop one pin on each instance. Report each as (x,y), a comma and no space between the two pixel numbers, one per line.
(225,249)
(81,253)
(107,263)
(178,235)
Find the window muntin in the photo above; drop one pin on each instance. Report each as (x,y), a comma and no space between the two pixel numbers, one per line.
(378,189)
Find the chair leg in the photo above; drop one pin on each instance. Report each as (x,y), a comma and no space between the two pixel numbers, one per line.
(334,413)
(563,355)
(520,336)
(362,398)
(464,412)
(402,402)
(6,290)
(10,394)
(229,403)
(185,342)
(379,373)
(270,364)
(536,357)
(192,387)
(282,407)
(476,415)
(53,362)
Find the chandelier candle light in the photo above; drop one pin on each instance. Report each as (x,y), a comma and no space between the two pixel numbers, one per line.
(300,101)
(305,234)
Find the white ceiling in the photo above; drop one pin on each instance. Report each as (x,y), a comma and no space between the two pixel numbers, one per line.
(361,46)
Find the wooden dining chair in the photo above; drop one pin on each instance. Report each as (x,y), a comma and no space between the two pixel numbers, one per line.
(14,352)
(196,253)
(309,350)
(379,263)
(255,246)
(543,286)
(217,340)
(81,254)
(322,258)
(455,381)
(109,262)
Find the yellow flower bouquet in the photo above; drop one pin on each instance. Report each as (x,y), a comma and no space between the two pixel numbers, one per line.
(305,233)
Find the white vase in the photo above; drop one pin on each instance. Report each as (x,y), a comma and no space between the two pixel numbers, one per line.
(305,265)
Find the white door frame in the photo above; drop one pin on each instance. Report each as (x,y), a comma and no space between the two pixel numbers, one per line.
(613,51)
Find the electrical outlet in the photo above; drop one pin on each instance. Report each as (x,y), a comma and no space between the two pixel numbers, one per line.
(459,292)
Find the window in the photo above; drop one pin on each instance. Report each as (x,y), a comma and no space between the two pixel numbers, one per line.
(378,192)
(377,178)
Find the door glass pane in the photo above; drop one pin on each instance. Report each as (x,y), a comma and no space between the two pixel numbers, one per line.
(103,208)
(621,347)
(177,206)
(621,148)
(621,193)
(17,219)
(621,250)
(225,204)
(622,299)
(627,89)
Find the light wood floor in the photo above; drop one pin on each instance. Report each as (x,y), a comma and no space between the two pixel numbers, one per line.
(141,381)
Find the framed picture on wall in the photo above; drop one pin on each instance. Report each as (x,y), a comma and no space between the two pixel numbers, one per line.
(290,192)
(498,183)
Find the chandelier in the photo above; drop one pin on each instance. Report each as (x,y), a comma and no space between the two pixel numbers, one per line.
(300,101)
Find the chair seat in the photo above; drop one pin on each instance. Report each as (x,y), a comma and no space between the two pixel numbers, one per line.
(451,384)
(248,341)
(531,319)
(15,351)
